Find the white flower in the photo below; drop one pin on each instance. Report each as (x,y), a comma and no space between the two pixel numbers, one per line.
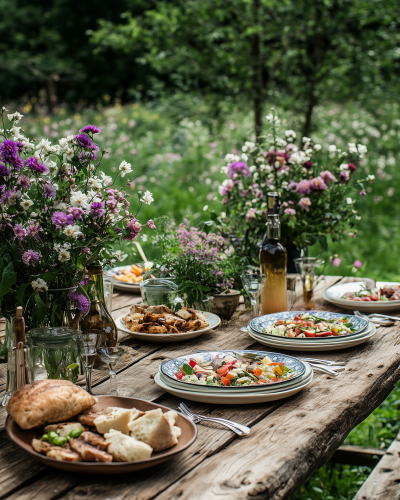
(63,142)
(15,133)
(144,237)
(306,139)
(244,157)
(362,149)
(107,180)
(68,154)
(51,165)
(44,144)
(223,215)
(34,214)
(252,169)
(15,196)
(15,117)
(352,147)
(73,231)
(349,201)
(25,204)
(281,142)
(332,149)
(282,172)
(371,177)
(125,168)
(39,285)
(63,255)
(300,157)
(248,146)
(270,118)
(230,158)
(344,166)
(317,147)
(290,134)
(147,198)
(272,187)
(60,205)
(255,176)
(95,184)
(205,207)
(308,151)
(148,266)
(285,184)
(260,159)
(79,199)
(119,255)
(266,168)
(224,170)
(27,144)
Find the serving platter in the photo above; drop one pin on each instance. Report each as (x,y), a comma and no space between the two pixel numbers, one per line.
(334,294)
(125,287)
(257,324)
(170,367)
(22,438)
(225,390)
(234,398)
(212,319)
(300,346)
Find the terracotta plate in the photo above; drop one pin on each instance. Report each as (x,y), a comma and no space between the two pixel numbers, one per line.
(189,433)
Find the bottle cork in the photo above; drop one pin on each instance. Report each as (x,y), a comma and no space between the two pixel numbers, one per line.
(19,328)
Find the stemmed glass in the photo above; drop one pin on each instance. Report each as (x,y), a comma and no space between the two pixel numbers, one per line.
(88,343)
(253,284)
(306,268)
(111,356)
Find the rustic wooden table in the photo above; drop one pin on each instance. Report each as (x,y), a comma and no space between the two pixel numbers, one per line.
(289,441)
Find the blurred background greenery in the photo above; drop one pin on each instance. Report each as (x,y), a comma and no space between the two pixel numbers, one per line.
(176,84)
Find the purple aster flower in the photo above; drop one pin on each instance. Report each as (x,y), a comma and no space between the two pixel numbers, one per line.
(238,168)
(4,172)
(352,167)
(34,230)
(8,150)
(85,281)
(34,165)
(20,232)
(363,192)
(24,182)
(49,191)
(292,185)
(76,213)
(327,176)
(10,197)
(84,141)
(80,301)
(303,187)
(20,146)
(90,128)
(244,192)
(97,209)
(318,184)
(151,224)
(30,257)
(61,219)
(16,162)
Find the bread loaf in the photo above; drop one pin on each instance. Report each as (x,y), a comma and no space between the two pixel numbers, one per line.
(156,429)
(46,402)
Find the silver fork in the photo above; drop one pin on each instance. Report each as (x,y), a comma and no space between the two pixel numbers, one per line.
(239,429)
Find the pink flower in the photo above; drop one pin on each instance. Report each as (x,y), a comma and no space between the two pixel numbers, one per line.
(284,205)
(251,213)
(318,184)
(30,257)
(85,249)
(290,211)
(305,203)
(303,187)
(226,187)
(363,192)
(225,200)
(327,176)
(357,264)
(344,177)
(151,224)
(352,167)
(292,185)
(336,262)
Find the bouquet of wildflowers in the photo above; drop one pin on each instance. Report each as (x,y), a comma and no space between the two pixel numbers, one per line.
(196,260)
(313,184)
(58,214)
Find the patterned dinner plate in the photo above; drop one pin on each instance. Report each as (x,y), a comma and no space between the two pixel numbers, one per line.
(257,324)
(169,368)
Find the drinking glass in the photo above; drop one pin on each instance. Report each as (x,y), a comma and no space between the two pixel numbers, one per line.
(306,267)
(89,341)
(253,283)
(111,356)
(108,285)
(291,292)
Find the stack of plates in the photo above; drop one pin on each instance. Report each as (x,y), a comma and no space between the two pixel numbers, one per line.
(364,331)
(165,378)
(335,293)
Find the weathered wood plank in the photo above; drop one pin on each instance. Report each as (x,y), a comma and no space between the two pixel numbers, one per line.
(384,481)
(357,455)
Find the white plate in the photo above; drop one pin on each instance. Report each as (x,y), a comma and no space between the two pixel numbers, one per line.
(221,390)
(313,340)
(231,399)
(126,287)
(312,347)
(213,319)
(334,294)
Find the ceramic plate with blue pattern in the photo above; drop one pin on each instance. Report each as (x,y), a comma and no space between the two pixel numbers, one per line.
(169,368)
(258,324)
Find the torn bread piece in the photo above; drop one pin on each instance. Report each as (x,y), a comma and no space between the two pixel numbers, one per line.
(63,429)
(116,418)
(155,429)
(125,448)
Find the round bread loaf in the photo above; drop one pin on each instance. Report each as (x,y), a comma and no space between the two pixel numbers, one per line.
(47,402)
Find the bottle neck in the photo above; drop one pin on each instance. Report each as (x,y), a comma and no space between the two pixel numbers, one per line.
(96,289)
(273,227)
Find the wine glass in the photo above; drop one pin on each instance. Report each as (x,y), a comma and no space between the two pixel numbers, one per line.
(291,291)
(253,284)
(306,268)
(88,343)
(111,356)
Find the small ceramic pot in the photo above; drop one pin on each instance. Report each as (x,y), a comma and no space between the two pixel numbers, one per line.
(225,304)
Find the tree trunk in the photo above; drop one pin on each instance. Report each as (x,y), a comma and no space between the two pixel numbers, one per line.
(308,117)
(257,77)
(52,93)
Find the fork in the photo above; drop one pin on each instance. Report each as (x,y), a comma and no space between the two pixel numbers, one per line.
(239,429)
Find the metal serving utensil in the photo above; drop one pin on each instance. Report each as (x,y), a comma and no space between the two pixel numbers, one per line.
(375,318)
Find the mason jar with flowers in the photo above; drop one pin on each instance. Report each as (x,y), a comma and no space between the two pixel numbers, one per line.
(313,183)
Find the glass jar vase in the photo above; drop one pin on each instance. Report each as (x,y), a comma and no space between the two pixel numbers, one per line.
(56,353)
(161,291)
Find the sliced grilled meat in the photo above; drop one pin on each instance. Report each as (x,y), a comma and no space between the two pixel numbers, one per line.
(88,452)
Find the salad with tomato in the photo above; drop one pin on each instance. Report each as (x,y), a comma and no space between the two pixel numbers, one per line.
(306,325)
(227,370)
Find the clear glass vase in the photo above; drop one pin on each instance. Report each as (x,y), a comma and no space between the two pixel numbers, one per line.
(161,291)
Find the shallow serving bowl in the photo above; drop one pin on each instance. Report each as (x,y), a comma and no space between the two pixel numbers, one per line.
(334,294)
(257,324)
(120,285)
(169,368)
(23,438)
(212,318)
